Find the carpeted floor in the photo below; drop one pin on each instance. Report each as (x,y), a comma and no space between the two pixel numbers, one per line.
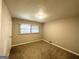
(40,50)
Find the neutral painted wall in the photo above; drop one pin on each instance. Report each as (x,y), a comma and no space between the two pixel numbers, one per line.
(0,27)
(5,31)
(23,38)
(63,32)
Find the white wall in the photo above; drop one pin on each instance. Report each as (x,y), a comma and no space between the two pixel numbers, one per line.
(0,27)
(18,38)
(64,33)
(5,31)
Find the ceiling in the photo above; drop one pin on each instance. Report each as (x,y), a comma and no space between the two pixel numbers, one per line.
(53,9)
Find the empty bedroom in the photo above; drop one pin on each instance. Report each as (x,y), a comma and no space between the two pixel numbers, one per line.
(39,29)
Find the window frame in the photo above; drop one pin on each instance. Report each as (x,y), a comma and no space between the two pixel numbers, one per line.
(30,29)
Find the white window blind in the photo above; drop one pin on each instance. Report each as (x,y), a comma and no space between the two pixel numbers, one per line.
(35,29)
(29,28)
(25,28)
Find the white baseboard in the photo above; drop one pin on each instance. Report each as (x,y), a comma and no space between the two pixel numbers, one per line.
(26,42)
(49,43)
(62,48)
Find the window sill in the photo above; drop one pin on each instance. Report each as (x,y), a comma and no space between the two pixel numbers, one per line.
(28,33)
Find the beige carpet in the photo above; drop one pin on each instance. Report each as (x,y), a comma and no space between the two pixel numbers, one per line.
(40,50)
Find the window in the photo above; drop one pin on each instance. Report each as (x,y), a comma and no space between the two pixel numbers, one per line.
(35,29)
(29,28)
(25,28)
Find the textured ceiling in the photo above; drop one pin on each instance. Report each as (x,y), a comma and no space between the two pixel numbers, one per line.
(54,9)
